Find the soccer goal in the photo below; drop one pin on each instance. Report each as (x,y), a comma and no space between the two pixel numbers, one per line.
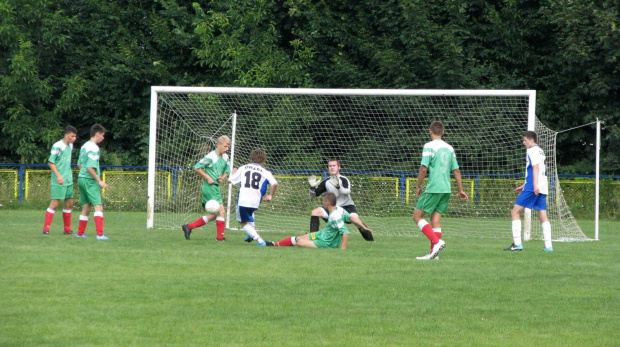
(377,135)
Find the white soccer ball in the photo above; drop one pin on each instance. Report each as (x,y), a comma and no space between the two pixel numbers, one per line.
(212,206)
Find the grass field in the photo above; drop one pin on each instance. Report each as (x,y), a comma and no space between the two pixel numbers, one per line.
(152,287)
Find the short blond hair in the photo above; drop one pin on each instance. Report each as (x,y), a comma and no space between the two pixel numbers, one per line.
(223,139)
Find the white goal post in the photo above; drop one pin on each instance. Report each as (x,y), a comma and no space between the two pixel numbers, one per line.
(376,134)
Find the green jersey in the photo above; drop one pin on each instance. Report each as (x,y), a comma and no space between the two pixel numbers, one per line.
(89,157)
(331,235)
(214,165)
(439,158)
(60,156)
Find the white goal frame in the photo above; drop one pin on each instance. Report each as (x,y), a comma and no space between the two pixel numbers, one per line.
(156,91)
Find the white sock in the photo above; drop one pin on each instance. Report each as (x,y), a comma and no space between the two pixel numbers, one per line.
(249,229)
(294,241)
(546,231)
(516,232)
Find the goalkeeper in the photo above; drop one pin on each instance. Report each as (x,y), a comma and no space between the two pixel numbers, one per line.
(340,186)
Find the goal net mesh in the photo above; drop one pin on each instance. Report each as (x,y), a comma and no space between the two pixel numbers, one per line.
(378,140)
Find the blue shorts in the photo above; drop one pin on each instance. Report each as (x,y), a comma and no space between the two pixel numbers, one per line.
(530,200)
(246,214)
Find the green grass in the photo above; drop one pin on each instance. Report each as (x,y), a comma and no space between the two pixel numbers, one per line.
(152,287)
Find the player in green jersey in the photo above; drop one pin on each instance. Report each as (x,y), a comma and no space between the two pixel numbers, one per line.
(439,160)
(334,235)
(90,183)
(214,168)
(62,180)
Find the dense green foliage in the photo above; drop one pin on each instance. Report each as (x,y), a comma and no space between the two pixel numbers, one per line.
(85,61)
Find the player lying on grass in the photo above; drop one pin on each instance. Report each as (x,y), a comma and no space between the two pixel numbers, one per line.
(335,234)
(341,187)
(252,177)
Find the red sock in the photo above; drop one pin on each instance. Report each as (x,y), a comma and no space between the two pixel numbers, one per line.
(438,238)
(49,216)
(428,231)
(197,223)
(99,223)
(221,226)
(82,225)
(286,242)
(66,217)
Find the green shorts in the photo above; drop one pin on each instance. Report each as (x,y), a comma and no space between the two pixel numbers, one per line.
(211,192)
(319,241)
(433,202)
(62,192)
(90,191)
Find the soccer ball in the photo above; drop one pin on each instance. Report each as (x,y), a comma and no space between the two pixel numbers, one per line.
(212,206)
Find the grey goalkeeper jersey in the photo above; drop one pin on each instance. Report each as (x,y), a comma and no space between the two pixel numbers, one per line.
(343,194)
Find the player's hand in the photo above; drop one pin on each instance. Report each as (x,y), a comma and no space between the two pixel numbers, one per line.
(103,185)
(221,179)
(519,189)
(313,182)
(463,196)
(418,192)
(60,180)
(267,198)
(334,181)
(536,191)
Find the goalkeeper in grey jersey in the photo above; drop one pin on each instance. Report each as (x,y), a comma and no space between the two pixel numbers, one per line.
(341,187)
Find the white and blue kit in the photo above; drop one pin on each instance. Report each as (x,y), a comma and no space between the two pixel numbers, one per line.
(534,156)
(253,180)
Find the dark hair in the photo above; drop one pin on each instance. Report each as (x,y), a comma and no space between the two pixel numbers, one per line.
(258,156)
(437,128)
(531,135)
(330,198)
(97,128)
(70,130)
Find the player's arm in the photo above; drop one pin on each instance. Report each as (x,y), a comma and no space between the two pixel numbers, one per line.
(344,186)
(272,192)
(320,189)
(223,178)
(459,184)
(421,175)
(535,169)
(343,243)
(204,175)
(54,169)
(93,174)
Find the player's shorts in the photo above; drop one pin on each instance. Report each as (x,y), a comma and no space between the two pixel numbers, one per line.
(433,202)
(90,191)
(62,192)
(211,192)
(245,214)
(321,243)
(349,208)
(528,199)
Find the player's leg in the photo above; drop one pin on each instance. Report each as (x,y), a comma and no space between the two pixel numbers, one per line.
(49,214)
(220,222)
(86,206)
(523,200)
(429,203)
(436,224)
(246,215)
(315,216)
(306,241)
(541,207)
(66,212)
(357,221)
(98,217)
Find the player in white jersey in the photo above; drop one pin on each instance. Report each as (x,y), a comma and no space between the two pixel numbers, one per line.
(341,187)
(532,193)
(252,177)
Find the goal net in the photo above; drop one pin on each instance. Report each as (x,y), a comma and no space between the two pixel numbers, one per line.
(377,135)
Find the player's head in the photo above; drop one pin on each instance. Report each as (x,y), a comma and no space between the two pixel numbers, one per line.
(70,134)
(437,128)
(329,200)
(530,135)
(333,165)
(223,144)
(97,133)
(258,156)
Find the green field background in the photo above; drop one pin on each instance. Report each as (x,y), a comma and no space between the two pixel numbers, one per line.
(152,287)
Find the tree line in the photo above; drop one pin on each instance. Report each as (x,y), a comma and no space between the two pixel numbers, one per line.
(82,62)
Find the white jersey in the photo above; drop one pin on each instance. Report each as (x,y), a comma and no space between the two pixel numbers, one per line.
(536,156)
(343,193)
(252,177)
